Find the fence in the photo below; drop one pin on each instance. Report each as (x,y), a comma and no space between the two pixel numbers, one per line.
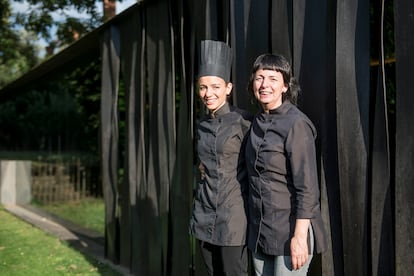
(64,180)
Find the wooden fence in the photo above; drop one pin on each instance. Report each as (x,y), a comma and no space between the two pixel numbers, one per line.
(62,181)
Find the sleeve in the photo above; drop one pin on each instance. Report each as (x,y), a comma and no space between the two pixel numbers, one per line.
(300,148)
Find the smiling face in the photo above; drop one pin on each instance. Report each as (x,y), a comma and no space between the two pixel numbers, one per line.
(213,91)
(268,87)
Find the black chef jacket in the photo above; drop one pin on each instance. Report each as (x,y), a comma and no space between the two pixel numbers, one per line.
(283,181)
(219,214)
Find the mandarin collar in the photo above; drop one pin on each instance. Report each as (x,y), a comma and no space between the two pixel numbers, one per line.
(282,109)
(221,111)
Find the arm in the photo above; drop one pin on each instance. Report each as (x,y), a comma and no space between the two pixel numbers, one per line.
(305,182)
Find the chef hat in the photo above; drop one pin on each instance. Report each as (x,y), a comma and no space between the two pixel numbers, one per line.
(215,59)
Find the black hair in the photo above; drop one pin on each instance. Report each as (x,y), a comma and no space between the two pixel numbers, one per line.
(280,64)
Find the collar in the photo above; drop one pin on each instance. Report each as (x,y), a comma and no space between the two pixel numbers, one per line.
(221,111)
(282,109)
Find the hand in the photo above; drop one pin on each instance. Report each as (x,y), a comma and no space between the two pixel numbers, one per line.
(202,171)
(299,251)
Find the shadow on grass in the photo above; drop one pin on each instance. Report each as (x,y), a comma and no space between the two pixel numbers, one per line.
(88,243)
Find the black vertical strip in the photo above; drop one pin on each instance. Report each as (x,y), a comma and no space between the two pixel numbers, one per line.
(217,20)
(152,193)
(161,130)
(167,124)
(257,18)
(404,166)
(300,14)
(382,234)
(181,187)
(224,21)
(352,102)
(211,24)
(281,27)
(332,260)
(240,70)
(314,44)
(197,28)
(109,139)
(130,35)
(252,29)
(199,22)
(139,256)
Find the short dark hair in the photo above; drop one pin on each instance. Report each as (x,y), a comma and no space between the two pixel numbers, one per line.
(280,64)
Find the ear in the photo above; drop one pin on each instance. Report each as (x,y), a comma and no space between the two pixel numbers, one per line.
(229,88)
(284,89)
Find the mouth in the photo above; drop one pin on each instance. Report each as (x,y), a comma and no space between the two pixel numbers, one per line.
(265,93)
(210,101)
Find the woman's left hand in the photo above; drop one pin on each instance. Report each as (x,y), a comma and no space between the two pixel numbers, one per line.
(299,252)
(299,244)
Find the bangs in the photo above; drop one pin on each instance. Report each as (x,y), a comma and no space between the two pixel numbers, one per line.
(270,62)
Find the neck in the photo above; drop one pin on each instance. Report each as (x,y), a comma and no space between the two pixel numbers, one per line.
(220,106)
(268,107)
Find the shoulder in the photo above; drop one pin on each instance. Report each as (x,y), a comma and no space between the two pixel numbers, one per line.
(300,120)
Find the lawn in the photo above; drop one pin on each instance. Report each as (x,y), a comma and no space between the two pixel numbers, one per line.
(88,213)
(26,250)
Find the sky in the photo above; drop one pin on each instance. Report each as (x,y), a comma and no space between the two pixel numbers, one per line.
(23,7)
(120,6)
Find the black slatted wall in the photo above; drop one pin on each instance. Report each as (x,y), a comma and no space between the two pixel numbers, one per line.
(148,153)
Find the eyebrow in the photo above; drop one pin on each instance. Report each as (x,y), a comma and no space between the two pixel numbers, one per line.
(212,84)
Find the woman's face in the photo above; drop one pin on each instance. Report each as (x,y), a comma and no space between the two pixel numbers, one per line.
(213,92)
(268,87)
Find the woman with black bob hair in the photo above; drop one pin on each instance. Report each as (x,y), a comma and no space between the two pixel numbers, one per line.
(284,219)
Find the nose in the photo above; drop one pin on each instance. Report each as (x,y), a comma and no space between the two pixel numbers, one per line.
(264,82)
(208,92)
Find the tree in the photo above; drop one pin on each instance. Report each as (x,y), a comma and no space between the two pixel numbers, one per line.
(65,109)
(17,52)
(74,18)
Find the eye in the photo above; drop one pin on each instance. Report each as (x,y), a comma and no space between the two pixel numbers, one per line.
(202,88)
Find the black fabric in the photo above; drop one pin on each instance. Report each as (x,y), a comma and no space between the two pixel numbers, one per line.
(281,165)
(281,27)
(219,201)
(182,188)
(352,103)
(156,128)
(110,138)
(240,70)
(131,47)
(381,217)
(404,173)
(314,70)
(225,260)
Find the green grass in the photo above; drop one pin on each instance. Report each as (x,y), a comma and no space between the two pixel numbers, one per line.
(26,250)
(88,213)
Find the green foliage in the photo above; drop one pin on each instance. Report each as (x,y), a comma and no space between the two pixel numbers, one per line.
(17,52)
(42,119)
(85,84)
(58,116)
(39,20)
(25,250)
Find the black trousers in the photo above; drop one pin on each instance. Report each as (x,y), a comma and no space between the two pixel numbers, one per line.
(225,260)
